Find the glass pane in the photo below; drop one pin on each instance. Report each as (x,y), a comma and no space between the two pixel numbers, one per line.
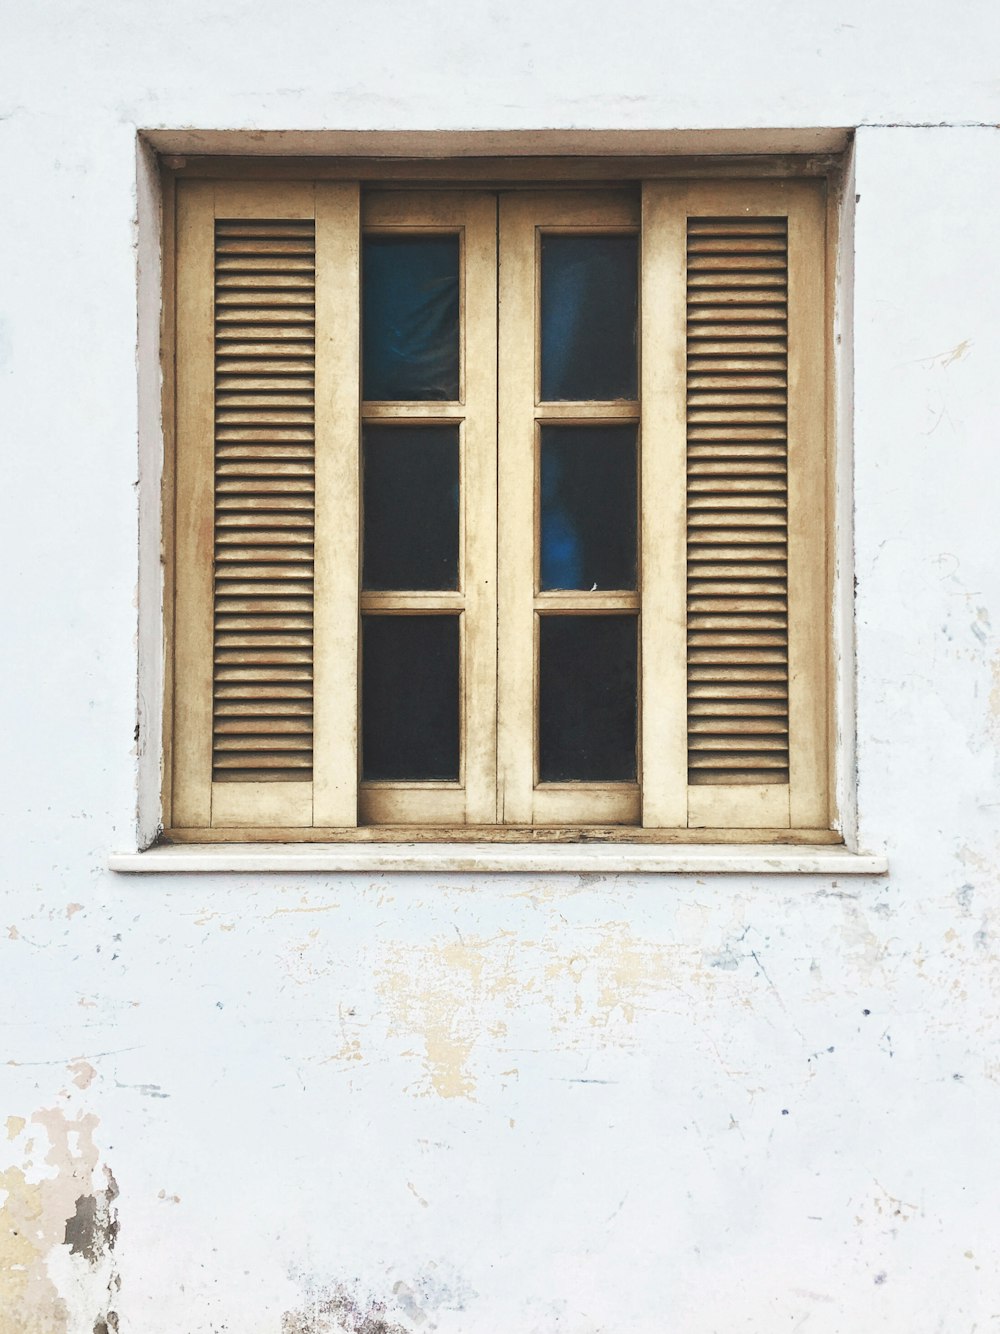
(409,316)
(590,306)
(587,705)
(588,507)
(411,507)
(409,697)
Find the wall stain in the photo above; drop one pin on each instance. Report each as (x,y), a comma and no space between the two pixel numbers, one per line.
(335,1310)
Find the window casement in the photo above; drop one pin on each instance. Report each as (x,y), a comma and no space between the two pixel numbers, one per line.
(500,512)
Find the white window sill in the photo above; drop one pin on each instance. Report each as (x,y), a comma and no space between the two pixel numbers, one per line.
(578,858)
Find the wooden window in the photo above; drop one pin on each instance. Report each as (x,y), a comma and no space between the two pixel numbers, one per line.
(500,512)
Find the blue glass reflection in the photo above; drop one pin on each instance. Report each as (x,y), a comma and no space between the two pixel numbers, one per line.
(589,503)
(410,317)
(589,317)
(562,549)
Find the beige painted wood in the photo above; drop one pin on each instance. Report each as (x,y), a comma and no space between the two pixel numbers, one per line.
(479,537)
(442,804)
(429,413)
(749,807)
(808,513)
(419,601)
(522,218)
(238,804)
(663,464)
(168,404)
(403,812)
(589,803)
(538,158)
(805,801)
(338,471)
(585,601)
(571,413)
(473,216)
(516,474)
(255,805)
(596,834)
(193,528)
(264,199)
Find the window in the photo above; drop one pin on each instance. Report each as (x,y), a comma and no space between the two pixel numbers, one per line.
(500,510)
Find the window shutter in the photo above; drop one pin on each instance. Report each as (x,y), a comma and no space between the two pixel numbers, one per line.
(737,501)
(733,601)
(734,436)
(267,297)
(265,480)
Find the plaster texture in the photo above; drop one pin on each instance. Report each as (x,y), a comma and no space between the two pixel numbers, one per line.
(382,1103)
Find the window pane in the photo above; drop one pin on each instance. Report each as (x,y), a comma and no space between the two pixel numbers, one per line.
(588,507)
(409,713)
(409,310)
(411,507)
(590,306)
(587,705)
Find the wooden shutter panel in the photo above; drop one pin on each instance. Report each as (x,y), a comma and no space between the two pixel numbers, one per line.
(737,498)
(265,477)
(734,319)
(266,436)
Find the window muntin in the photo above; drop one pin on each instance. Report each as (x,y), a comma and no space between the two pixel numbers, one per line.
(502,775)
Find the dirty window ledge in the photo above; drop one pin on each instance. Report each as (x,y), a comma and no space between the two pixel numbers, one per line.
(735,858)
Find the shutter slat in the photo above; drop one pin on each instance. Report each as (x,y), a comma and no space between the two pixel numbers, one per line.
(737,396)
(747,248)
(741,228)
(300,396)
(264,501)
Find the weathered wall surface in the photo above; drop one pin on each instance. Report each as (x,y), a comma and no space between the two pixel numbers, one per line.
(503,1105)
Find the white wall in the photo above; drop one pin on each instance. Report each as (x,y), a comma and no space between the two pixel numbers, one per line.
(511,1105)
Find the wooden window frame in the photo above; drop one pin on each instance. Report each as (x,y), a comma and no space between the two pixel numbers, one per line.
(815,820)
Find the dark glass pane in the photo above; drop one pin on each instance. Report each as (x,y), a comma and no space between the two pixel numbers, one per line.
(587,709)
(409,697)
(588,507)
(590,306)
(411,507)
(409,316)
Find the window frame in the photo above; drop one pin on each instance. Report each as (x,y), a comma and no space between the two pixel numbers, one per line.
(511,174)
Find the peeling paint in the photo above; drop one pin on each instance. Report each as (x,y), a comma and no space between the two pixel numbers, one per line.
(453,995)
(83,1074)
(441,995)
(62,1210)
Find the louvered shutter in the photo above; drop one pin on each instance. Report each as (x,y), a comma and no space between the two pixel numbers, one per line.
(734,424)
(266,504)
(265,490)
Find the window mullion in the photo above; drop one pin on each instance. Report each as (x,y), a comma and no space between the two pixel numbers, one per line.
(663,511)
(338,297)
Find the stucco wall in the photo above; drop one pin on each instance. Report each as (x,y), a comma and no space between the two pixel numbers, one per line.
(508,1105)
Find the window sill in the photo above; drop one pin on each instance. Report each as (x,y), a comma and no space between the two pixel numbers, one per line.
(689,859)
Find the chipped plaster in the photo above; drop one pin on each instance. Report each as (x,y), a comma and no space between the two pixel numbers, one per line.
(53,1207)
